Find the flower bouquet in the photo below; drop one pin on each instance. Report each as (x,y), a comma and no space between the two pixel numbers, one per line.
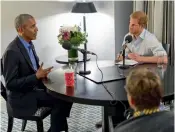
(73,36)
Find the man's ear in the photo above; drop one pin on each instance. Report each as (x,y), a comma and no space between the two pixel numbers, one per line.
(20,29)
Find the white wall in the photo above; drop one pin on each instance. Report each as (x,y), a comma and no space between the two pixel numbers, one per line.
(50,16)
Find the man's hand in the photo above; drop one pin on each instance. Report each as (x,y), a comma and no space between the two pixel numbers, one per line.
(134,56)
(145,59)
(42,73)
(119,57)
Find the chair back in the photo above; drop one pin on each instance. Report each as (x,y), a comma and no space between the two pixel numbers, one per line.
(167,48)
(3,92)
(3,89)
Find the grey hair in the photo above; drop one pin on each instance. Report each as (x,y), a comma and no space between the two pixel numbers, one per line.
(20,20)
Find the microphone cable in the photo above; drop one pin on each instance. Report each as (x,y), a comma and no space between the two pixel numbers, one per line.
(114,102)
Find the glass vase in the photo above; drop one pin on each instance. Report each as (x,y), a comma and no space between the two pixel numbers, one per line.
(72,55)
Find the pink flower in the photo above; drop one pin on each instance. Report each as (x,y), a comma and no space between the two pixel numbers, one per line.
(66,36)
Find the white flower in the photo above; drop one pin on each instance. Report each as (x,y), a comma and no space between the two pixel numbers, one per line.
(69,28)
(65,29)
(75,29)
(60,37)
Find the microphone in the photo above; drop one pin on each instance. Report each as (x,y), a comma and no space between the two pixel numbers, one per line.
(128,39)
(68,46)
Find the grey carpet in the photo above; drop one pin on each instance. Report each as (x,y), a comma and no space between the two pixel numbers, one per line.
(82,119)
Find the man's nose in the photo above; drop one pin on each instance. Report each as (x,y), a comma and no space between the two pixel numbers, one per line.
(36,29)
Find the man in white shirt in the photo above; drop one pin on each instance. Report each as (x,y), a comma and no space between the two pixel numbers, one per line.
(144,47)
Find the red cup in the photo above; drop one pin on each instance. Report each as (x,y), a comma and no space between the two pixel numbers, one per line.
(69,78)
(70,90)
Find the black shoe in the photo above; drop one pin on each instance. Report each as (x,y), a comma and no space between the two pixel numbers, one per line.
(50,130)
(98,124)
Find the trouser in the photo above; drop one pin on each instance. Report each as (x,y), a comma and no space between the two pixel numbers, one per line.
(60,110)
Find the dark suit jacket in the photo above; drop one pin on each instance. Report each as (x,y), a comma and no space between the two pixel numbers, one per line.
(157,122)
(20,79)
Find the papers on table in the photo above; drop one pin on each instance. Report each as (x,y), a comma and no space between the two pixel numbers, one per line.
(127,62)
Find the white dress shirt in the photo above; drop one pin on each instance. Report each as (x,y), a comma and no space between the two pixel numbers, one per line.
(146,44)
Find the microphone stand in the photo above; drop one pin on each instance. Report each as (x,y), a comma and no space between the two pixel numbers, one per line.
(84,53)
(84,72)
(123,54)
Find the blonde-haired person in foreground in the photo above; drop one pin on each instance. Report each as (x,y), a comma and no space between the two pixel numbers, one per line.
(144,47)
(144,92)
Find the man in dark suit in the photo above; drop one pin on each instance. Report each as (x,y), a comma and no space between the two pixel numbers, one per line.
(23,77)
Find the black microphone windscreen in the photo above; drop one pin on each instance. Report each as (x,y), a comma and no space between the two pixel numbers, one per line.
(128,38)
(67,46)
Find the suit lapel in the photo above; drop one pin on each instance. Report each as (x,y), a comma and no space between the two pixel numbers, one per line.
(24,52)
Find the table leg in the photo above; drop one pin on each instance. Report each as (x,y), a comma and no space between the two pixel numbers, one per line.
(105,121)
